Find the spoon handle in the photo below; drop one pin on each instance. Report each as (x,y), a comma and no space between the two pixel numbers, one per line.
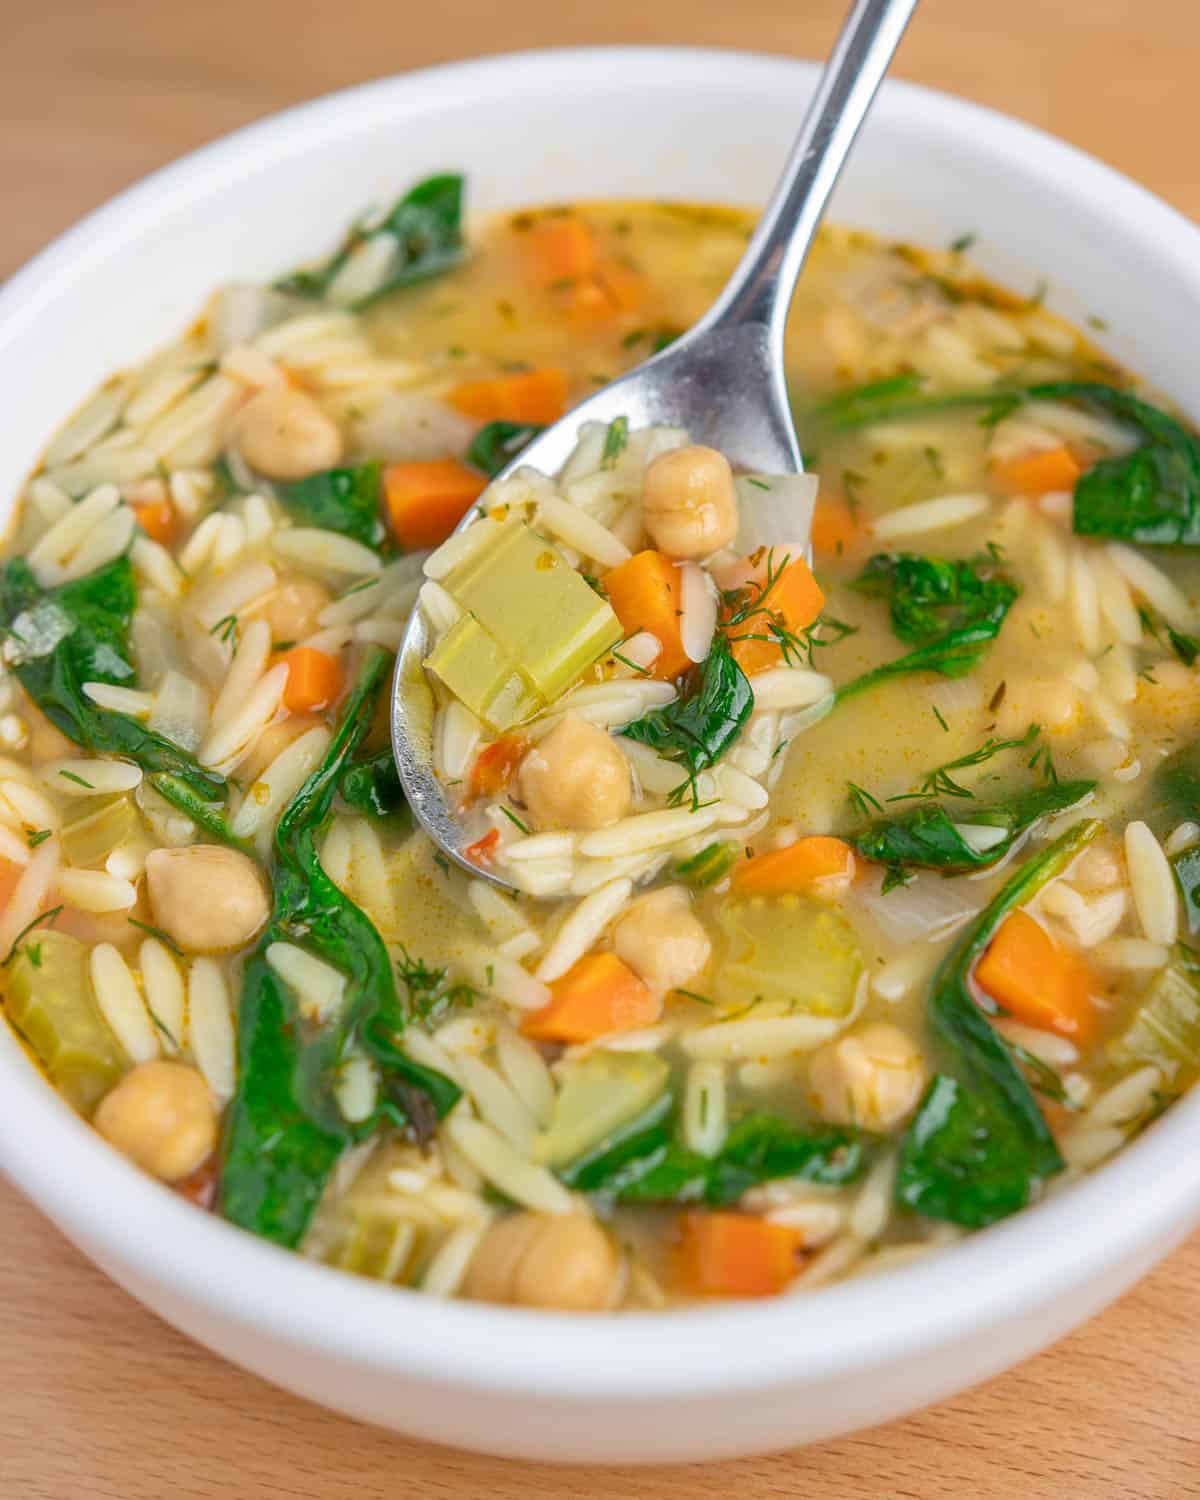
(760,289)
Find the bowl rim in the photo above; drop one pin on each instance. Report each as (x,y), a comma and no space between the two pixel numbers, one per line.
(132,1223)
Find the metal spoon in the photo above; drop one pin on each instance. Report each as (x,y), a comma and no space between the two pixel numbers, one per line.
(723,380)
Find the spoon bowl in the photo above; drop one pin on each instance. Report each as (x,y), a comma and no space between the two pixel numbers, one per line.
(723,381)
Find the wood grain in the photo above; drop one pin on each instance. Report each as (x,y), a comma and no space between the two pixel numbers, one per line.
(100,1400)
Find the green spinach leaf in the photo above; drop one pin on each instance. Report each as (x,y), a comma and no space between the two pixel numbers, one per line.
(649,1165)
(979,1148)
(285,1131)
(925,837)
(422,231)
(495,445)
(373,785)
(696,730)
(951,610)
(341,500)
(62,637)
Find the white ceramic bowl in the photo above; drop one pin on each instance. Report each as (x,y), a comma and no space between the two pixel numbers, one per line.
(732,1379)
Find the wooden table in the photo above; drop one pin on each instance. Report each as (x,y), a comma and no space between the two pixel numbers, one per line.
(98,1400)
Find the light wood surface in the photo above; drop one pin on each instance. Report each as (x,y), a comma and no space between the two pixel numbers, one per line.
(99,1400)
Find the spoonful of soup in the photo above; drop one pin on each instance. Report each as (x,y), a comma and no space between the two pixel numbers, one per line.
(590,643)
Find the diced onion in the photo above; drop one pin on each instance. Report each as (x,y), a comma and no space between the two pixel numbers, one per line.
(774,510)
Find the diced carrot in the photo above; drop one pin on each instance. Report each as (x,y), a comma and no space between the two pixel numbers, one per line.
(625,287)
(426,501)
(538,396)
(481,851)
(496,765)
(735,1255)
(561,249)
(820,865)
(644,591)
(837,527)
(793,600)
(314,679)
(1036,979)
(157,518)
(597,995)
(1038,473)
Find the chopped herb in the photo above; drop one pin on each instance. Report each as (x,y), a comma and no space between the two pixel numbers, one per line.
(33,952)
(226,628)
(692,995)
(38,921)
(430,992)
(632,665)
(937,714)
(940,783)
(156,932)
(712,864)
(1043,1077)
(512,818)
(36,836)
(963,243)
(78,780)
(495,445)
(615,440)
(358,588)
(863,803)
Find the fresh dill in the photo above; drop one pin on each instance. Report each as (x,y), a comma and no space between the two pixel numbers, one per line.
(512,818)
(156,932)
(941,783)
(41,920)
(78,780)
(37,836)
(226,629)
(937,714)
(862,801)
(431,992)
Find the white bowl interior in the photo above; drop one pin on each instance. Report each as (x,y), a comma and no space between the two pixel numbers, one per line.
(544,127)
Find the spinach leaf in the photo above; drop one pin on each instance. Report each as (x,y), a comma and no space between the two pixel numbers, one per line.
(926,838)
(1150,496)
(928,596)
(61,638)
(495,445)
(341,500)
(979,1148)
(712,863)
(1176,794)
(423,231)
(697,730)
(649,1165)
(285,1130)
(373,785)
(901,396)
(950,610)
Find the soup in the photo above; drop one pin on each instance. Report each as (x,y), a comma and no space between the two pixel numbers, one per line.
(850,902)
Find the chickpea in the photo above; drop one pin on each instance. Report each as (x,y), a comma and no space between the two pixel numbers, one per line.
(161,1116)
(871,1077)
(209,899)
(575,778)
(689,505)
(284,434)
(292,610)
(660,939)
(565,1263)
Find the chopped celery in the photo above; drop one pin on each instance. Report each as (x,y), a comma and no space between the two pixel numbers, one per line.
(373,1244)
(49,998)
(787,950)
(531,625)
(1166,1029)
(88,840)
(599,1097)
(472,665)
